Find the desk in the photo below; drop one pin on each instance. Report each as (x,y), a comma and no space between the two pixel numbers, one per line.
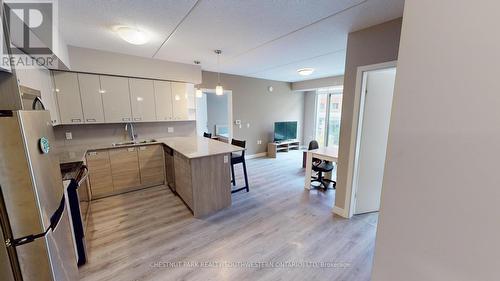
(329,153)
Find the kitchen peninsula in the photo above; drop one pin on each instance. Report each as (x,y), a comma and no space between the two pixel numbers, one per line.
(195,168)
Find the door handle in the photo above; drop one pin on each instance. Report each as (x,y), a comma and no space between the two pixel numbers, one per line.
(76,120)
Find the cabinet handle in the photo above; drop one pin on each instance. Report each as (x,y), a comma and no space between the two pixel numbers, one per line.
(131,149)
(138,119)
(91,120)
(93,153)
(143,148)
(126,119)
(76,120)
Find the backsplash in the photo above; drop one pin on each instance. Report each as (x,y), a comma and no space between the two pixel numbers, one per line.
(110,133)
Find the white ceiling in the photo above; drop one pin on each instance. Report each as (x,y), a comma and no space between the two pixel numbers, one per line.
(268,39)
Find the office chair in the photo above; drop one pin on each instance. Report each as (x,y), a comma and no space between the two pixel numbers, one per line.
(321,167)
(207,135)
(237,158)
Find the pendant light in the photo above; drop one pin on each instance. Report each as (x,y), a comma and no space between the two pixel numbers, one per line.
(219,91)
(198,92)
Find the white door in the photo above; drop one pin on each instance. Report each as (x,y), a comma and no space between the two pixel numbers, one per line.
(116,99)
(201,115)
(142,98)
(376,115)
(90,91)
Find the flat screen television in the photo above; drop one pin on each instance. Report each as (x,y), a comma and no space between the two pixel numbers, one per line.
(284,131)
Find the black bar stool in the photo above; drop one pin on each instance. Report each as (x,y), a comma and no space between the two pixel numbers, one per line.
(237,158)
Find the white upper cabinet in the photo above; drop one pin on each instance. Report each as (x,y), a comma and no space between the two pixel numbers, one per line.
(142,99)
(49,96)
(181,95)
(116,99)
(163,96)
(90,91)
(68,97)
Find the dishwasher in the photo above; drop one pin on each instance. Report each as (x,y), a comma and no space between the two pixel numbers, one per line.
(75,177)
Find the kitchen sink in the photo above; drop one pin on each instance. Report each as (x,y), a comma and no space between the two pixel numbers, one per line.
(125,143)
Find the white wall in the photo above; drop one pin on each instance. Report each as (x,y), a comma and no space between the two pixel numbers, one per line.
(440,217)
(309,116)
(217,111)
(95,61)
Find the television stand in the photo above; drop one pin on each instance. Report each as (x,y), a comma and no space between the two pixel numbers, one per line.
(284,146)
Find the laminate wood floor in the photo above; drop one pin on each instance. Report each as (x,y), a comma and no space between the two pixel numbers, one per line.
(278,231)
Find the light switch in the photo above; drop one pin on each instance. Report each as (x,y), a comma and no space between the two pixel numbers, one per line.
(170,129)
(69,136)
(248,125)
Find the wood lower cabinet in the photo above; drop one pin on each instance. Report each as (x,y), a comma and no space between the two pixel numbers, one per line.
(124,168)
(99,166)
(151,165)
(183,185)
(117,170)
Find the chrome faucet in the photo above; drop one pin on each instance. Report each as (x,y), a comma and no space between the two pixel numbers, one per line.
(129,127)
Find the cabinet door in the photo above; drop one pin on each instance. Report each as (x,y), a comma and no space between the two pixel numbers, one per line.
(101,182)
(124,168)
(116,99)
(163,96)
(183,183)
(180,101)
(151,165)
(68,97)
(50,98)
(142,99)
(90,91)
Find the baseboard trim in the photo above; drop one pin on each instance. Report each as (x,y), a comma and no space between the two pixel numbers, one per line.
(339,211)
(258,155)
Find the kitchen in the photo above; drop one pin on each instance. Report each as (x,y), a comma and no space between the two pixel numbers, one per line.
(99,130)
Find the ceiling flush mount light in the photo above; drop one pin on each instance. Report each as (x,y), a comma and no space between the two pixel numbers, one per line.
(305,71)
(219,91)
(132,35)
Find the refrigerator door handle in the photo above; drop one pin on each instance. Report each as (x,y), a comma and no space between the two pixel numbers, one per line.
(25,239)
(54,220)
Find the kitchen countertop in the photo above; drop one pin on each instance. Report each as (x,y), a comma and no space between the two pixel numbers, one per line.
(190,147)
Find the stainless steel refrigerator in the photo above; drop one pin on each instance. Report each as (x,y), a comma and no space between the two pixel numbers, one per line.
(36,236)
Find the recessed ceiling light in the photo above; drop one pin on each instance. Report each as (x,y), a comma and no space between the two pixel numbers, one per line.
(305,71)
(132,35)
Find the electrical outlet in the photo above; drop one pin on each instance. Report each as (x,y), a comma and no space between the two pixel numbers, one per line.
(226,159)
(170,129)
(69,136)
(248,125)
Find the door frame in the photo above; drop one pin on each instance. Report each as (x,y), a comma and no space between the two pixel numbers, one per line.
(229,94)
(359,99)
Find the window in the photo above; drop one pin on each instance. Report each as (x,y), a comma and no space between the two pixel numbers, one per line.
(328,114)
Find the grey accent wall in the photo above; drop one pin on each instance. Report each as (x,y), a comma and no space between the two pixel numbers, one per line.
(313,84)
(253,104)
(217,111)
(373,45)
(110,133)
